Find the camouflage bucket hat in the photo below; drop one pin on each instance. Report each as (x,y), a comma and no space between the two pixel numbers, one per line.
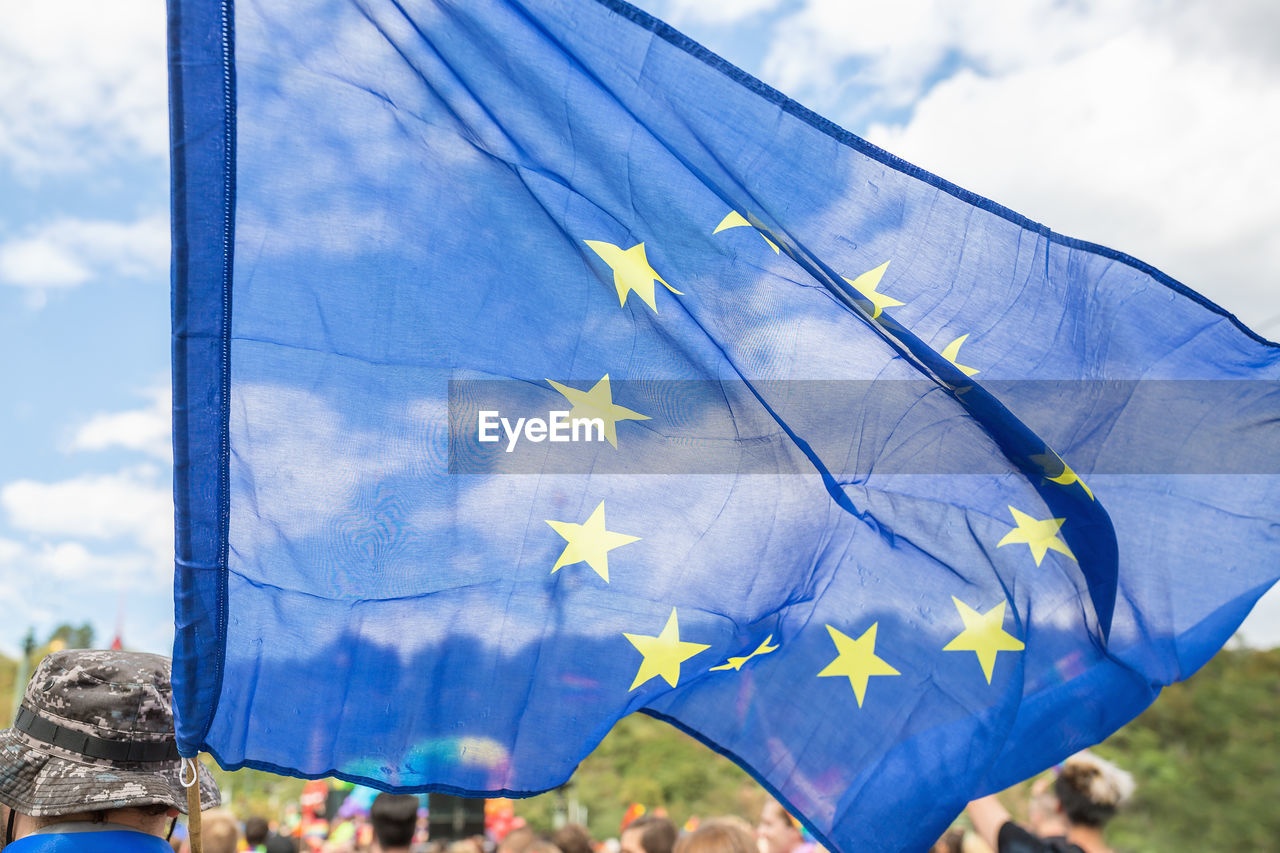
(95,732)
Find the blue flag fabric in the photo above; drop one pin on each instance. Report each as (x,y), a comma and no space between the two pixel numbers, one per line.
(534,366)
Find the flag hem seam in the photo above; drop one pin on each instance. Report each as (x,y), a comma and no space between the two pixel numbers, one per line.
(227,38)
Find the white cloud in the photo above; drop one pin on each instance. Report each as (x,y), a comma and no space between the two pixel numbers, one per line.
(1144,125)
(68,252)
(714,11)
(82,545)
(9,550)
(890,52)
(1262,629)
(46,583)
(133,507)
(76,547)
(73,561)
(82,82)
(146,430)
(1132,144)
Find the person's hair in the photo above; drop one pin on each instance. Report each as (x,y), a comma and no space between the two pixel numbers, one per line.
(256,831)
(1091,789)
(657,834)
(542,845)
(572,838)
(731,820)
(394,818)
(219,830)
(717,835)
(102,815)
(517,840)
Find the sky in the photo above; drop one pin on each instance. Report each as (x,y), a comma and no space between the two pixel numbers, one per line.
(1143,125)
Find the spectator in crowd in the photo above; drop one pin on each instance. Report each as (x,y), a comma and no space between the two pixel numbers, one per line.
(517,840)
(733,819)
(394,818)
(718,835)
(280,842)
(1089,791)
(90,762)
(649,834)
(542,845)
(572,838)
(778,831)
(1044,814)
(219,831)
(256,830)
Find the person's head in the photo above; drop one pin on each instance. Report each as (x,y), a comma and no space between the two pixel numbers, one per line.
(1091,790)
(256,830)
(777,831)
(718,835)
(219,831)
(649,834)
(93,740)
(542,845)
(1044,814)
(394,818)
(517,840)
(572,838)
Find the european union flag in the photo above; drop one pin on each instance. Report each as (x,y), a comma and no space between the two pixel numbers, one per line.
(534,366)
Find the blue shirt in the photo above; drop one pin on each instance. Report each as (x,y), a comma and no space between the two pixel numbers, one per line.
(90,840)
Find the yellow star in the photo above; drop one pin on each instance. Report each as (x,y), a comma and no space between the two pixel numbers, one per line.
(951,352)
(983,635)
(631,271)
(867,283)
(737,662)
(598,403)
(663,654)
(589,542)
(1040,535)
(734,219)
(1067,477)
(857,660)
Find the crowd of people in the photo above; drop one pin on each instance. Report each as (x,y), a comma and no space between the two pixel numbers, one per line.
(91,765)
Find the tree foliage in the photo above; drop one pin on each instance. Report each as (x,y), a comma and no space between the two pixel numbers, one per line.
(646,761)
(255,793)
(1206,757)
(8,674)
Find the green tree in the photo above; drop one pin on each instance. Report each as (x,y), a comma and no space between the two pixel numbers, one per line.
(250,792)
(644,760)
(1206,760)
(67,636)
(8,674)
(1206,756)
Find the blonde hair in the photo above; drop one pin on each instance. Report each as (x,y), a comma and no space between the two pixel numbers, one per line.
(219,830)
(1091,789)
(718,835)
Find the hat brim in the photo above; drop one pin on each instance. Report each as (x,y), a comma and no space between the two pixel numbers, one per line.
(39,783)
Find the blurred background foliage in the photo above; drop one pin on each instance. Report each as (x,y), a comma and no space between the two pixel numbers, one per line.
(1206,757)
